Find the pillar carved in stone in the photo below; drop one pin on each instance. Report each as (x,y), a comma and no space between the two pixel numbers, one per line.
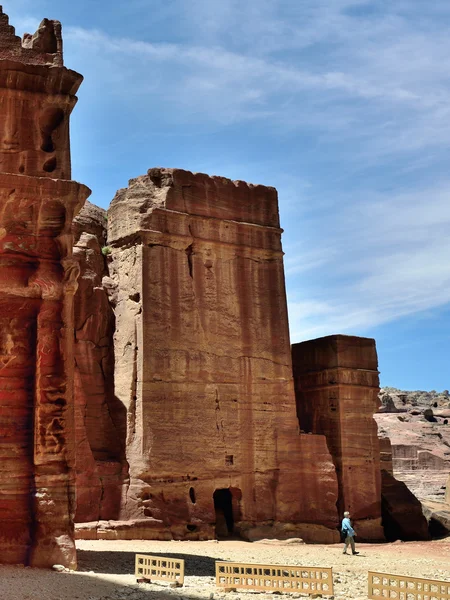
(37,283)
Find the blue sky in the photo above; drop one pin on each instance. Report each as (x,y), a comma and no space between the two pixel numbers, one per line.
(342,105)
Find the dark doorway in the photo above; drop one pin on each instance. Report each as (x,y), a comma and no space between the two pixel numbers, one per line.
(223,506)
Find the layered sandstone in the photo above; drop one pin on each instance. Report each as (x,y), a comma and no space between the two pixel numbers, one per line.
(402,513)
(420,438)
(203,367)
(100,455)
(37,283)
(336,384)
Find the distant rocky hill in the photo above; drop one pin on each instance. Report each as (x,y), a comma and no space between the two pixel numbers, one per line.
(395,400)
(418,425)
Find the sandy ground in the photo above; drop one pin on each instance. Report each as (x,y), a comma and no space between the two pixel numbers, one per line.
(106,569)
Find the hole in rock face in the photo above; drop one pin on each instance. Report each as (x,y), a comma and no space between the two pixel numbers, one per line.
(223,507)
(155,176)
(61,402)
(229,459)
(192,495)
(47,145)
(49,121)
(21,169)
(429,416)
(191,527)
(50,165)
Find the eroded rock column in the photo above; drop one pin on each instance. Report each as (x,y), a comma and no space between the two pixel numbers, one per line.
(37,283)
(337,385)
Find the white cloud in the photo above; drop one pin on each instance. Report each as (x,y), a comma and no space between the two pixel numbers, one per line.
(375,77)
(365,82)
(390,261)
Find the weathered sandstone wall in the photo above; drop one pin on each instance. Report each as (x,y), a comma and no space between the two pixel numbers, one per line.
(100,459)
(37,283)
(203,366)
(420,436)
(417,426)
(402,513)
(168,413)
(336,383)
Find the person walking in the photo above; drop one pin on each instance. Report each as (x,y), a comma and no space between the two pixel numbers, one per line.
(349,533)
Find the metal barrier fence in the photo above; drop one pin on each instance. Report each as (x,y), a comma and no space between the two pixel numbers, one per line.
(280,578)
(159,568)
(382,585)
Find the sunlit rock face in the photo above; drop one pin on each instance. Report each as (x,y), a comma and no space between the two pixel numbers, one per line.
(402,513)
(188,426)
(419,438)
(419,431)
(38,278)
(203,387)
(336,382)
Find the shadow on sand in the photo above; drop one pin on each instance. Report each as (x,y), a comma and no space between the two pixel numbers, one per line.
(34,584)
(122,563)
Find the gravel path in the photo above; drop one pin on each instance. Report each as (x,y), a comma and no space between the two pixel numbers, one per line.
(106,569)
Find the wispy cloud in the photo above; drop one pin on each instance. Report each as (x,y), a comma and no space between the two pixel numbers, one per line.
(360,70)
(389,260)
(364,86)
(376,78)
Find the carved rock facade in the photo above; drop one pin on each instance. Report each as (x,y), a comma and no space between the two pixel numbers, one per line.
(196,433)
(203,367)
(420,449)
(337,385)
(185,416)
(37,282)
(402,513)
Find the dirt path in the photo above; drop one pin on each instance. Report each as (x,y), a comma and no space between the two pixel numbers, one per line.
(106,569)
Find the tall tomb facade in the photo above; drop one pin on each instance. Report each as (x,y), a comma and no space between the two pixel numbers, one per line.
(337,386)
(203,365)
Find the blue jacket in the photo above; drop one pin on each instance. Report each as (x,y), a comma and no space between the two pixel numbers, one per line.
(347,527)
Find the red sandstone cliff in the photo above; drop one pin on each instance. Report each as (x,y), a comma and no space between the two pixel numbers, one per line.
(100,463)
(417,424)
(419,431)
(199,362)
(38,279)
(336,382)
(203,368)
